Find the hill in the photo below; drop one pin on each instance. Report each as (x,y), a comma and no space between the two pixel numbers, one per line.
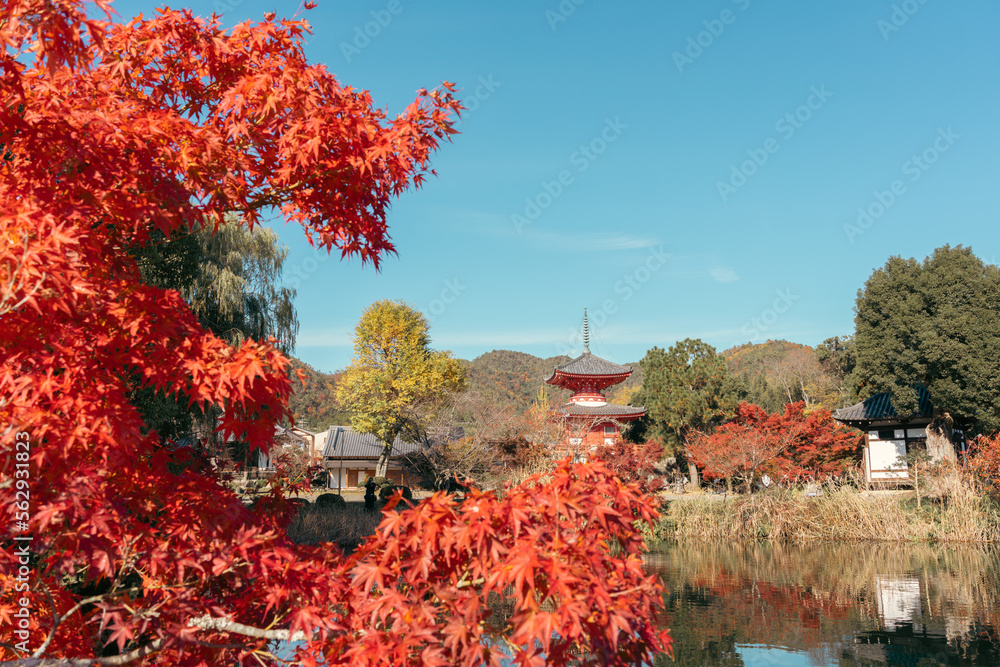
(779,372)
(502,376)
(517,377)
(513,377)
(314,404)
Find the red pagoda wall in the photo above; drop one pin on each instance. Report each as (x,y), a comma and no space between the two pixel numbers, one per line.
(594,438)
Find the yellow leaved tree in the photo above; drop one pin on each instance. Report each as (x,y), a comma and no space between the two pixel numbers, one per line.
(395,376)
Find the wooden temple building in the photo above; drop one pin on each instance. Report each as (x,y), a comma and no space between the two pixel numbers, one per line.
(889,436)
(588,420)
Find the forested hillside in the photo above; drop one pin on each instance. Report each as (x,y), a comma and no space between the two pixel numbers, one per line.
(779,372)
(772,374)
(516,377)
(315,404)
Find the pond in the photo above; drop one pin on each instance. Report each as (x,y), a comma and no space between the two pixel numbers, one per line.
(844,604)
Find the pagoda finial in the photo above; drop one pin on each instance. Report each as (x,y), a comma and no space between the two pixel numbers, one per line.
(586,333)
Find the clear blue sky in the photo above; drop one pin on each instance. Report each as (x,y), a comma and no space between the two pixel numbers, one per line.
(728,144)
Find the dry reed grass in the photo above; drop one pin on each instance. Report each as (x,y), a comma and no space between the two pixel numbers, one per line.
(965,514)
(346,525)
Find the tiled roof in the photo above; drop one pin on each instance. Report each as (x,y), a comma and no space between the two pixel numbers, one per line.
(289,436)
(343,440)
(609,410)
(879,407)
(588,364)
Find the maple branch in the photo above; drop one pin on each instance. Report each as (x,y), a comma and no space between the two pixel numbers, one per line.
(110,661)
(55,623)
(16,283)
(202,623)
(227,625)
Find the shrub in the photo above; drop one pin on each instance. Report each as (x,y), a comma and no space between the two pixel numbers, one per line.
(635,462)
(387,491)
(327,499)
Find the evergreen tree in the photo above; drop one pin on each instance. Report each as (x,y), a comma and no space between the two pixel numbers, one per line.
(935,323)
(686,388)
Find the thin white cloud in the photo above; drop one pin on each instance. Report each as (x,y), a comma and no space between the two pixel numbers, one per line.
(724,274)
(576,242)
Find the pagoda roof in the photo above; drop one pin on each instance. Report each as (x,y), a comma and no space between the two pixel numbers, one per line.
(607,410)
(588,364)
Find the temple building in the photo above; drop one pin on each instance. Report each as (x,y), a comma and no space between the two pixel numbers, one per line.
(588,419)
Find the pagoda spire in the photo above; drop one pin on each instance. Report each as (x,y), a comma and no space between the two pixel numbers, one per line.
(586,333)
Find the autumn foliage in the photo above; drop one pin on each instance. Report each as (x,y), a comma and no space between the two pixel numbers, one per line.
(984,460)
(430,574)
(114,134)
(635,462)
(786,445)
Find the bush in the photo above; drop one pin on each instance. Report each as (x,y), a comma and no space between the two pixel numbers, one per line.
(269,505)
(387,490)
(298,504)
(327,499)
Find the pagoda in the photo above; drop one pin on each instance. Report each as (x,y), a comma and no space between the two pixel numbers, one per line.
(588,419)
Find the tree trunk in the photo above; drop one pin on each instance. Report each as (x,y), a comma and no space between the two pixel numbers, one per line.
(693,475)
(939,439)
(383,462)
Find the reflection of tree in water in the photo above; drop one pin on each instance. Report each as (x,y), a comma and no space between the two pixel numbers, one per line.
(833,602)
(906,645)
(693,646)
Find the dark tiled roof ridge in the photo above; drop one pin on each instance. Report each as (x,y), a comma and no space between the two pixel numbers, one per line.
(590,364)
(880,407)
(352,444)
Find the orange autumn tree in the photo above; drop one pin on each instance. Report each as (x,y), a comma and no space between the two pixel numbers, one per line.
(789,445)
(118,549)
(984,460)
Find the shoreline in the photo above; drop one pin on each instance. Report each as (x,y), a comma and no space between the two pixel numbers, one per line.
(843,514)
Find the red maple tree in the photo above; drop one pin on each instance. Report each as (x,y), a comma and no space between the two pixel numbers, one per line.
(119,549)
(635,462)
(984,460)
(791,445)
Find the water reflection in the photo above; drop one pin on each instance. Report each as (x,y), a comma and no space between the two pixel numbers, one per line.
(842,604)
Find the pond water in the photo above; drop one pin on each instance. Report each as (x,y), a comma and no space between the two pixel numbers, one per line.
(844,604)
